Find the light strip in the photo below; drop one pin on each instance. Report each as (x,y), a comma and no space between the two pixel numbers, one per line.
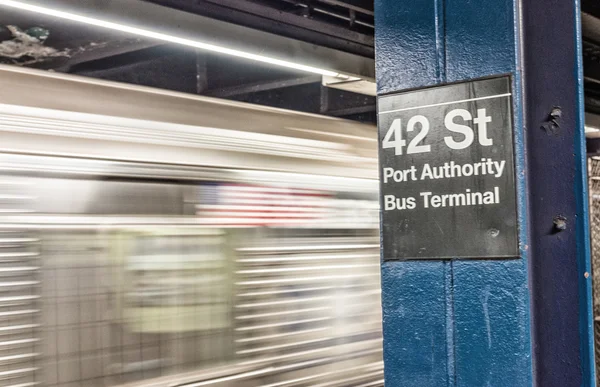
(591,129)
(168,38)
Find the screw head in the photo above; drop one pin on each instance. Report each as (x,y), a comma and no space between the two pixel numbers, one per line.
(560,223)
(493,232)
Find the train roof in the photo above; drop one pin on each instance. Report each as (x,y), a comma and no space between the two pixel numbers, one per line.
(64,115)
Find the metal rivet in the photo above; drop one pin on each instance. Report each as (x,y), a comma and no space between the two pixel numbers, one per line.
(560,223)
(586,274)
(556,113)
(552,125)
(493,232)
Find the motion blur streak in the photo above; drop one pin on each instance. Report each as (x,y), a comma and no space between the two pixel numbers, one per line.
(152,238)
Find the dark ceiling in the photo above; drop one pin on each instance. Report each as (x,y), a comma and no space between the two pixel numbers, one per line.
(69,47)
(591,61)
(345,25)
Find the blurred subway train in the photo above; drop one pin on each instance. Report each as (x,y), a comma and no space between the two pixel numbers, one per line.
(152,238)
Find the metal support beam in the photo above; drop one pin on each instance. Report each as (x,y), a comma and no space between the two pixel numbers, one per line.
(271,25)
(311,9)
(359,86)
(201,73)
(366,8)
(324,103)
(524,321)
(262,86)
(561,305)
(351,110)
(119,60)
(304,22)
(114,48)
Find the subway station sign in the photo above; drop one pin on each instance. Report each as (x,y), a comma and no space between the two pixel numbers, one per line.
(447,172)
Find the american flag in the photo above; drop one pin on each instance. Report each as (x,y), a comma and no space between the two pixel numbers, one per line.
(254,205)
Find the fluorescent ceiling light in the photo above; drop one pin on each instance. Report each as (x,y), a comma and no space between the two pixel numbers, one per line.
(168,38)
(591,129)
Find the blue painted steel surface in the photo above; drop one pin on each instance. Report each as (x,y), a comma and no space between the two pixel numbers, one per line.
(556,175)
(493,346)
(480,38)
(416,296)
(582,228)
(481,313)
(406,46)
(415,341)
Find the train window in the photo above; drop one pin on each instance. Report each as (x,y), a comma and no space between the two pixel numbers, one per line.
(136,304)
(108,197)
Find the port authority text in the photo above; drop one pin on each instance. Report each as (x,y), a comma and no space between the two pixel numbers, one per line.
(448,170)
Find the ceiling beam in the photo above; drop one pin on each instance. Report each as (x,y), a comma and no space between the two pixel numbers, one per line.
(152,17)
(268,20)
(299,21)
(351,110)
(256,87)
(366,7)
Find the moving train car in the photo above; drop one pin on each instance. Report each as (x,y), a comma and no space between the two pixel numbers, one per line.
(151,238)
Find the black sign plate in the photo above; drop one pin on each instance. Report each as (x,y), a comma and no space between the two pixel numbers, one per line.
(447,172)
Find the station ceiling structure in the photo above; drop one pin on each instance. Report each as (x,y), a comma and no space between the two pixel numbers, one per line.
(334,37)
(307,55)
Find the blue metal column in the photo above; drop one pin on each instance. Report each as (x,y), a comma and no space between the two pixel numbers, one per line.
(504,323)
